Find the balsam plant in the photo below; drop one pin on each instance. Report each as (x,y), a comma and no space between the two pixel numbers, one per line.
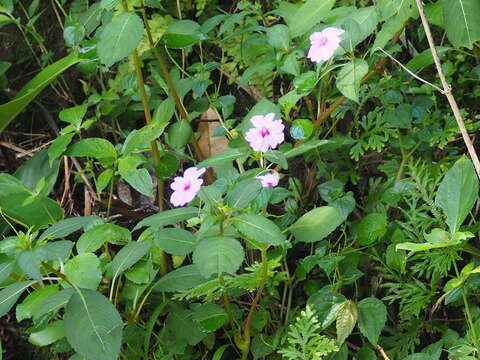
(339,221)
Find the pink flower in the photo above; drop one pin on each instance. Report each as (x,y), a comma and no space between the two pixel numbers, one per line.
(324,44)
(186,188)
(270,179)
(266,133)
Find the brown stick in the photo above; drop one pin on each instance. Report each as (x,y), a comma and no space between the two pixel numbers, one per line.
(382,352)
(447,90)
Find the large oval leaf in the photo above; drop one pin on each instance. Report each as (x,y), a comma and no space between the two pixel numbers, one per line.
(457,193)
(259,228)
(120,38)
(128,256)
(461,21)
(93,326)
(308,15)
(175,241)
(316,224)
(218,255)
(183,278)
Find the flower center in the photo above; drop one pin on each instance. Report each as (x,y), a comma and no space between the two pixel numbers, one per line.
(270,184)
(323,41)
(186,186)
(264,132)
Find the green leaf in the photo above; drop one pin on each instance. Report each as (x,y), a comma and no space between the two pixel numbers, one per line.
(243,193)
(74,115)
(308,15)
(92,147)
(309,145)
(58,146)
(10,295)
(461,21)
(458,192)
(221,158)
(326,304)
(37,169)
(34,301)
(169,217)
(358,25)
(218,255)
(54,303)
(164,113)
(11,109)
(211,317)
(120,38)
(278,37)
(179,134)
(29,262)
(84,270)
(21,204)
(259,228)
(346,320)
(52,333)
(139,179)
(372,316)
(129,256)
(175,241)
(183,278)
(277,157)
(94,238)
(348,79)
(316,224)
(182,33)
(6,269)
(143,136)
(68,226)
(93,326)
(104,179)
(371,228)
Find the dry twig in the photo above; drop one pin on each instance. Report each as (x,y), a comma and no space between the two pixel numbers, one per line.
(447,90)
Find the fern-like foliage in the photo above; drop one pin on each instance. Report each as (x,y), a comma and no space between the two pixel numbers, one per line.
(304,341)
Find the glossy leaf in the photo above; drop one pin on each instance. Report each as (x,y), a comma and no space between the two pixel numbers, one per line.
(94,238)
(346,320)
(52,333)
(68,226)
(371,228)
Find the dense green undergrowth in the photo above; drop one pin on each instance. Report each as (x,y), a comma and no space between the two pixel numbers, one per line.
(239,180)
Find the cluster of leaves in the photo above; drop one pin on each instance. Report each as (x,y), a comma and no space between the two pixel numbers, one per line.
(368,243)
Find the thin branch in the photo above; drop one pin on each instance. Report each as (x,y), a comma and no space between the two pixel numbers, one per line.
(410,72)
(447,90)
(382,352)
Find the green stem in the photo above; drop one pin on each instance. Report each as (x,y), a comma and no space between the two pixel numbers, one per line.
(148,117)
(228,305)
(467,309)
(248,323)
(178,102)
